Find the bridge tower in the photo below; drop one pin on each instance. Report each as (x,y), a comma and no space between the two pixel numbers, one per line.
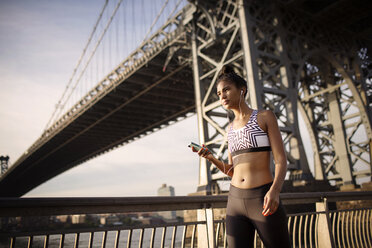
(314,75)
(4,164)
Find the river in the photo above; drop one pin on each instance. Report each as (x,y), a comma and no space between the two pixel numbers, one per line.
(54,240)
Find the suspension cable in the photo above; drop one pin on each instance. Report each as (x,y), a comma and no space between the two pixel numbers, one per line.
(77,65)
(94,51)
(156,19)
(95,48)
(174,10)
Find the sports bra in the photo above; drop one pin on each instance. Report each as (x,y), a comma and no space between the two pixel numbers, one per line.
(250,138)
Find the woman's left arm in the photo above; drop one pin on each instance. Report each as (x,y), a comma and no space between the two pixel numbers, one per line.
(271,201)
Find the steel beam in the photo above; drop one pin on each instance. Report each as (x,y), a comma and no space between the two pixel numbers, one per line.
(280,62)
(204,171)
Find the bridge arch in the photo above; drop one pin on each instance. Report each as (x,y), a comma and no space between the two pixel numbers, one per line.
(336,118)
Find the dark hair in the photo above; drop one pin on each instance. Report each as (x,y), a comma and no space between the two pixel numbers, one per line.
(227,73)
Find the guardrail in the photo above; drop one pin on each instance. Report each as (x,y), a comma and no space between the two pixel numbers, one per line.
(324,227)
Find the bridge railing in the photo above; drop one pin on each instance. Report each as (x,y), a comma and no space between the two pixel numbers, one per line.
(323,225)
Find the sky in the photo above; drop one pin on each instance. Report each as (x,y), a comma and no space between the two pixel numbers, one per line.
(40,43)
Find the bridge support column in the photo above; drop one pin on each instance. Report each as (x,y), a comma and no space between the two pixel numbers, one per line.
(266,53)
(204,172)
(204,184)
(343,162)
(253,89)
(287,71)
(323,229)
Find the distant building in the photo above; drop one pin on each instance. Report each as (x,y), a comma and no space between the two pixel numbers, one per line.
(78,219)
(109,219)
(62,218)
(180,214)
(165,190)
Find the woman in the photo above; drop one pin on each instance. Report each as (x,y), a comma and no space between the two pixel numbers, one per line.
(253,202)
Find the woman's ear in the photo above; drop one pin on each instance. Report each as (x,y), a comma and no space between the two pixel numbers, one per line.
(243,91)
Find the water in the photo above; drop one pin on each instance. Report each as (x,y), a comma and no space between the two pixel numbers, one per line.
(54,240)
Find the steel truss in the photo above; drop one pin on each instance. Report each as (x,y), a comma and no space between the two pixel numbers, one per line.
(294,68)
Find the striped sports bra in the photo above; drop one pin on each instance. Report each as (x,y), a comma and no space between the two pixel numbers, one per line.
(250,138)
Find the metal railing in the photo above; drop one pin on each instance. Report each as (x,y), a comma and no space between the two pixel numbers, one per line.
(324,227)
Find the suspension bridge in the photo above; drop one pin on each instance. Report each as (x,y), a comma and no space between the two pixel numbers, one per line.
(303,60)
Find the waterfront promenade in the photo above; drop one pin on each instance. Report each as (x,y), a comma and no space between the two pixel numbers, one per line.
(327,223)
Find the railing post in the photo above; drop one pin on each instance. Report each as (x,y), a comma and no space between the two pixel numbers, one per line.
(210,227)
(206,236)
(324,229)
(12,242)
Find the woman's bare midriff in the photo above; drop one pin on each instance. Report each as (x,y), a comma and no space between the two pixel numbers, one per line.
(251,170)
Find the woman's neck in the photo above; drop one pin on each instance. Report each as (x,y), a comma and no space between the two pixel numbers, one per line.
(242,111)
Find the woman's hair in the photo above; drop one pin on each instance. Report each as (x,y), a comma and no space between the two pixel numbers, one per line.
(228,74)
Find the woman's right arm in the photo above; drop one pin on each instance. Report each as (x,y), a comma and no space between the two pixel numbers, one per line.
(227,169)
(222,166)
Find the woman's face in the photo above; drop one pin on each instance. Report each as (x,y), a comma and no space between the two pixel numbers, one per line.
(229,94)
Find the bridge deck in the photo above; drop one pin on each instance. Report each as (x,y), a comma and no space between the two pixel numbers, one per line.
(139,98)
(147,100)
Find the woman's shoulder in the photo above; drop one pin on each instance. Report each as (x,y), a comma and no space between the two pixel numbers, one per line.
(264,112)
(266,115)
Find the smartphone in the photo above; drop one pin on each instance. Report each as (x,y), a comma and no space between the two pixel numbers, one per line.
(196,146)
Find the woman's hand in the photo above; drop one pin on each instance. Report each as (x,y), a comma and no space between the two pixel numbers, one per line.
(271,202)
(203,152)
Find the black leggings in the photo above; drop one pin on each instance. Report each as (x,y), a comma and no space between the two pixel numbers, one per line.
(244,215)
